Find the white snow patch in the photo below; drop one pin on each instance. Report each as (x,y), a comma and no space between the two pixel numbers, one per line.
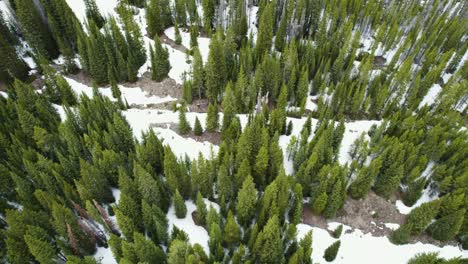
(196,234)
(106,7)
(203,43)
(392,226)
(352,131)
(431,95)
(426,196)
(356,244)
(134,96)
(104,255)
(61,111)
(116,194)
(142,120)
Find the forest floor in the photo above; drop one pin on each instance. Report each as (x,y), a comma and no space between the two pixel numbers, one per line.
(372,214)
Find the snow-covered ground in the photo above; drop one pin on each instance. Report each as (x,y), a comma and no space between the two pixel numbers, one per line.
(141,121)
(105,256)
(431,95)
(196,234)
(133,95)
(106,7)
(203,43)
(352,131)
(357,247)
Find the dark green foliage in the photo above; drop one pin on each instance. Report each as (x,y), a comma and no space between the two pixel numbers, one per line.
(184,126)
(92,13)
(401,235)
(160,65)
(448,226)
(421,216)
(337,232)
(35,30)
(332,251)
(179,205)
(212,118)
(197,130)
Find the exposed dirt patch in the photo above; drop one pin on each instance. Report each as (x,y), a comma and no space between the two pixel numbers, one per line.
(212,137)
(368,215)
(199,106)
(166,40)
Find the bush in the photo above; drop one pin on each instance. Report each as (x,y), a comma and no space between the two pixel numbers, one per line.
(332,251)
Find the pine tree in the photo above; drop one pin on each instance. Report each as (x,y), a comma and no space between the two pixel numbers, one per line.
(268,246)
(215,70)
(281,33)
(187,91)
(184,126)
(265,31)
(421,216)
(147,251)
(401,235)
(447,227)
(160,65)
(35,30)
(363,183)
(260,167)
(320,203)
(246,202)
(201,209)
(232,232)
(92,13)
(212,118)
(302,88)
(40,245)
(179,205)
(198,130)
(332,251)
(178,39)
(197,74)
(154,18)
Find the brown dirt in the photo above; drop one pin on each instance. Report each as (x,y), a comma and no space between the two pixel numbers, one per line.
(368,215)
(166,40)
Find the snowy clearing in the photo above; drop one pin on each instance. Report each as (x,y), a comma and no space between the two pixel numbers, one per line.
(357,247)
(196,234)
(133,95)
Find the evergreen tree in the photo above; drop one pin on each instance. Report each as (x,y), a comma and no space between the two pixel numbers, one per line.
(35,30)
(184,126)
(268,246)
(447,227)
(147,251)
(265,31)
(215,70)
(160,65)
(154,18)
(201,209)
(40,245)
(92,13)
(179,205)
(332,251)
(198,130)
(281,33)
(246,202)
(420,217)
(401,235)
(212,118)
(232,232)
